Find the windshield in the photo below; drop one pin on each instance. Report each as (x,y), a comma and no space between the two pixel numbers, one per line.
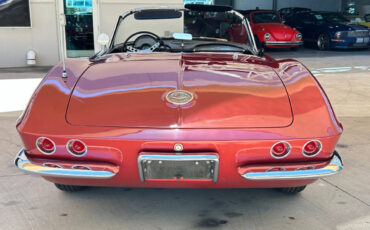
(334,17)
(143,28)
(264,17)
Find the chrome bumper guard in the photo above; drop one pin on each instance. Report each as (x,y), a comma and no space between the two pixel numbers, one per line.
(283,43)
(334,167)
(22,162)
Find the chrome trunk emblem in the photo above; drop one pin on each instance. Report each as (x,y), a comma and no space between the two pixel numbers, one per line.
(178,147)
(179,97)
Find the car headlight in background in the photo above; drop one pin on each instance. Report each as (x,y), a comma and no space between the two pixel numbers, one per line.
(298,36)
(340,34)
(267,36)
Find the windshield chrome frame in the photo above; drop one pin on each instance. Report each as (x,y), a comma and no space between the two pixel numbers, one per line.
(245,22)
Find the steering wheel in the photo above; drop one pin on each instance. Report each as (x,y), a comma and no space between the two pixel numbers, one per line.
(140,46)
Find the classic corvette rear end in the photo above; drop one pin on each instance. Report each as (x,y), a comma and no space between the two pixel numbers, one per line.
(195,119)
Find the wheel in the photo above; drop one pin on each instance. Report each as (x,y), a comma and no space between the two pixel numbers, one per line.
(292,190)
(323,42)
(69,188)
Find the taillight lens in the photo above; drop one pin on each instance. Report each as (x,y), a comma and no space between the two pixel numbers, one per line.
(45,145)
(76,147)
(312,148)
(280,149)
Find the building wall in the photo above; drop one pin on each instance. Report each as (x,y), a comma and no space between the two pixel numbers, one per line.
(326,5)
(41,37)
(110,10)
(246,5)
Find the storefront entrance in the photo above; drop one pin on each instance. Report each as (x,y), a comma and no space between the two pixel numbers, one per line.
(79,29)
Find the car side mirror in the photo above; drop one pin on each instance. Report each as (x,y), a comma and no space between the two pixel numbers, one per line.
(103,40)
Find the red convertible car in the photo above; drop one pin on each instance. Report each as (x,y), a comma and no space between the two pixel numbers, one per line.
(269,30)
(172,103)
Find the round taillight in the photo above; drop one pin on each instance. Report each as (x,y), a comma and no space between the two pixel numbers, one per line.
(311,148)
(280,149)
(45,145)
(76,148)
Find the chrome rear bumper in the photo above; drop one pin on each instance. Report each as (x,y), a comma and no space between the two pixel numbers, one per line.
(334,167)
(22,162)
(283,43)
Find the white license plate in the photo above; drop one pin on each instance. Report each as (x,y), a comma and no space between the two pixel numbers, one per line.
(359,40)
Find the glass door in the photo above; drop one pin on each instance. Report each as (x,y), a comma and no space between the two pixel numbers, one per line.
(79,30)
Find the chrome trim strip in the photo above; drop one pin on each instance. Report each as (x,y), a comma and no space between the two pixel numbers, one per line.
(247,25)
(178,158)
(334,167)
(283,43)
(22,162)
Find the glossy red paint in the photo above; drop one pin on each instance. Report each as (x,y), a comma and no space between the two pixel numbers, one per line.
(243,105)
(278,31)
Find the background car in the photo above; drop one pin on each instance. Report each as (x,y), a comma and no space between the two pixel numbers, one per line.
(284,12)
(329,30)
(269,31)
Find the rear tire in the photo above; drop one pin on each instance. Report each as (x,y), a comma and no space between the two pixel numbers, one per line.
(323,42)
(292,190)
(69,188)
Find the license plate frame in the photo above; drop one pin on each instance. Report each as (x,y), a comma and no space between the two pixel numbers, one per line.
(148,164)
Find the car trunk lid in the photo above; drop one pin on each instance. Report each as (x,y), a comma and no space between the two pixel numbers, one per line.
(229,92)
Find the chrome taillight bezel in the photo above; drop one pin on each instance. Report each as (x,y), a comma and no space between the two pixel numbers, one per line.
(315,154)
(289,149)
(42,151)
(71,152)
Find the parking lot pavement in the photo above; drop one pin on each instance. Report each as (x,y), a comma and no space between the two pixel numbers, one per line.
(339,202)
